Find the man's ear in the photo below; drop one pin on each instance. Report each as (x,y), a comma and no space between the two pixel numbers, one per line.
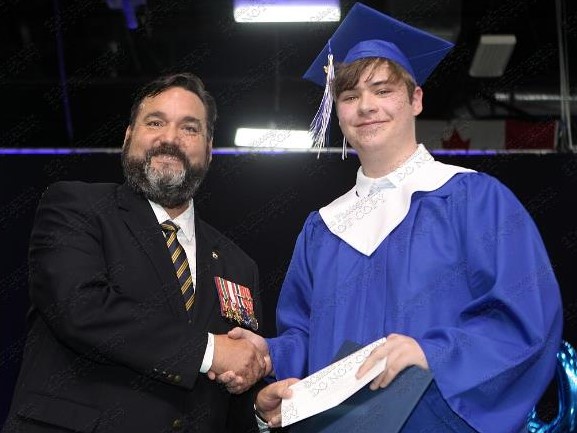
(127,136)
(210,151)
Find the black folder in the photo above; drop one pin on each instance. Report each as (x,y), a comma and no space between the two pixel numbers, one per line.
(366,411)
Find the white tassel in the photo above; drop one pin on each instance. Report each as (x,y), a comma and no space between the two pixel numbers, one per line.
(319,129)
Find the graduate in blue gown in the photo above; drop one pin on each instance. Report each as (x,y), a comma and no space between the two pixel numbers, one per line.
(442,260)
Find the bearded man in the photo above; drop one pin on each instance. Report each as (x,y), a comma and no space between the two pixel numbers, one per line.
(132,294)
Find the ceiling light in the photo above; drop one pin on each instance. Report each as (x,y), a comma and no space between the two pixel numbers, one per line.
(267,11)
(272,138)
(492,55)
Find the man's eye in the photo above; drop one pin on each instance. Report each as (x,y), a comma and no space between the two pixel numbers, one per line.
(192,129)
(154,123)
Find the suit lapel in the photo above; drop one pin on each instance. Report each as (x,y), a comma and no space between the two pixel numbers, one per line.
(207,266)
(141,221)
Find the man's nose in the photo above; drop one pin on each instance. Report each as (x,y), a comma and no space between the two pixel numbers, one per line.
(171,134)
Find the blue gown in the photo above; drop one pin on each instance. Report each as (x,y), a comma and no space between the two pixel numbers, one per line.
(465,273)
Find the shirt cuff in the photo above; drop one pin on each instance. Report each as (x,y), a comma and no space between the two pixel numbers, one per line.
(208,354)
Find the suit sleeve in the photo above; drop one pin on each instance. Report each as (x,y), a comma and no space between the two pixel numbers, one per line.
(70,285)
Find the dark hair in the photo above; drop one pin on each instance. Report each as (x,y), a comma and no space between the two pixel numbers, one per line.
(184,80)
(347,75)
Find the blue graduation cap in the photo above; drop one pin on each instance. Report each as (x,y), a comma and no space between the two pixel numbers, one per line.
(366,32)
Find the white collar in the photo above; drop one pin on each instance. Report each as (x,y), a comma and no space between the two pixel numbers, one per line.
(185,220)
(364,221)
(368,185)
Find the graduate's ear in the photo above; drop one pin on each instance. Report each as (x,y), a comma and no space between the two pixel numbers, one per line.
(417,101)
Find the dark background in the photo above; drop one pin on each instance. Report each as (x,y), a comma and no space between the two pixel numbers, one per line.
(261,202)
(69,69)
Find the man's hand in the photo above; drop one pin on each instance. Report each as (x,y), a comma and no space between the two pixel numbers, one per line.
(258,341)
(401,352)
(238,359)
(234,382)
(268,400)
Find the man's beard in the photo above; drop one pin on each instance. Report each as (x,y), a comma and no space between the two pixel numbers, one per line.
(168,187)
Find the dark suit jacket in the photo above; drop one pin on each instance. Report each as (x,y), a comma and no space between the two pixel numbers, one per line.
(110,346)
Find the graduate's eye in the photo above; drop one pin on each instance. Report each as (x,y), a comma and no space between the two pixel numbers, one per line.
(348,97)
(383,92)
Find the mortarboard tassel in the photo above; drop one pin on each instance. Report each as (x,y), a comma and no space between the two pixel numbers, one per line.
(319,128)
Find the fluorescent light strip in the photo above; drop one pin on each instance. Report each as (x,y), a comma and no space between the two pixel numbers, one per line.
(532,97)
(262,12)
(55,150)
(269,151)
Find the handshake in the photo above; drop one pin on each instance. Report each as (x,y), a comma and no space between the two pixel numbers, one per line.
(241,358)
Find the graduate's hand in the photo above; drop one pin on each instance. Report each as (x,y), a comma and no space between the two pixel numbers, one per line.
(401,352)
(258,341)
(268,400)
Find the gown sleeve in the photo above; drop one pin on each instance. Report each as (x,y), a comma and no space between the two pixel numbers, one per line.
(289,351)
(498,358)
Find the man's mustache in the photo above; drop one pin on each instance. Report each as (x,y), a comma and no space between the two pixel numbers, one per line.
(169,149)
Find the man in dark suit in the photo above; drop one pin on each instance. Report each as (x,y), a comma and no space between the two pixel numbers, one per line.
(133,295)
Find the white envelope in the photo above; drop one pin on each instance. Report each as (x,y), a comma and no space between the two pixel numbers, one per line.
(330,386)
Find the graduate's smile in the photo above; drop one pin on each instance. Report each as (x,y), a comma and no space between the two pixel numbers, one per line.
(370,123)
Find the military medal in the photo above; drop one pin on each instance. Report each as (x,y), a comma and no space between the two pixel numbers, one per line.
(236,303)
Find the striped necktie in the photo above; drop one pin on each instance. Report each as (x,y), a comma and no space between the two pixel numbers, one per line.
(178,257)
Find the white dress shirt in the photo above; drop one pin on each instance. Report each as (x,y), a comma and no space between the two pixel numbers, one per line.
(186,237)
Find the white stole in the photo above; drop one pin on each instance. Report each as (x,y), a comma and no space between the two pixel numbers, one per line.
(364,222)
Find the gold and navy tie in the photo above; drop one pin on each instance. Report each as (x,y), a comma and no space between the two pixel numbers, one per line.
(178,257)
